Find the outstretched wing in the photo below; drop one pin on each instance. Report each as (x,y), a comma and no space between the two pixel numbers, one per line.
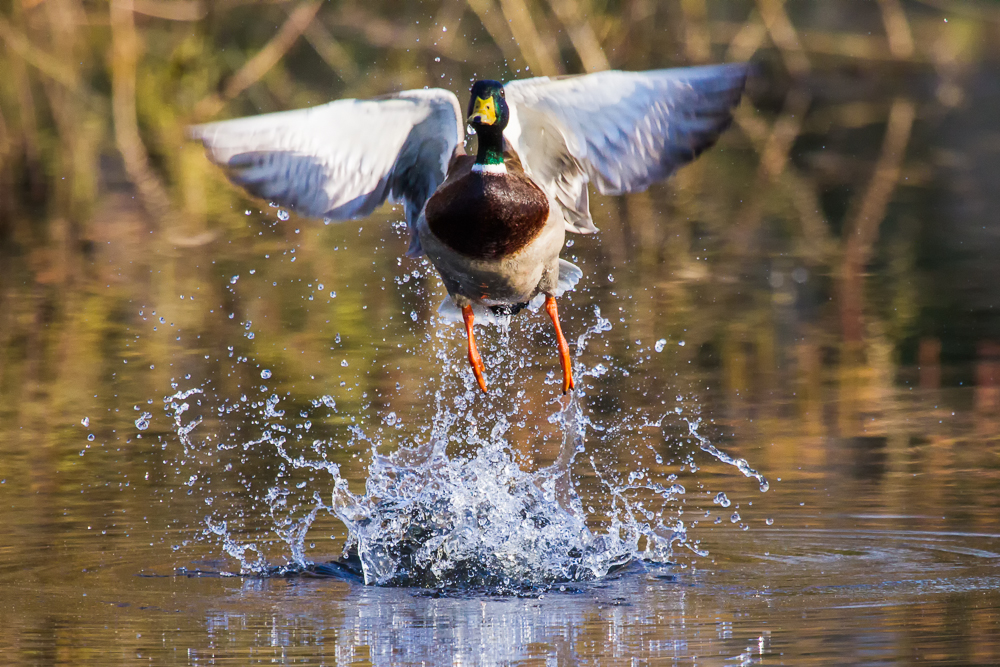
(621,130)
(343,159)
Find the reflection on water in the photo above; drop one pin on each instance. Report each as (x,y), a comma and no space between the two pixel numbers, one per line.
(818,291)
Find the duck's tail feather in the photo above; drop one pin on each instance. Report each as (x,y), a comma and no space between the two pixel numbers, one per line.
(451,313)
(569,276)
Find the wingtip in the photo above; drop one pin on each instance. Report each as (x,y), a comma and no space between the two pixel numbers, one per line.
(195,133)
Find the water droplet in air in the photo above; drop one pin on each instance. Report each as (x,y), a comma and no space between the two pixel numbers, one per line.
(413,315)
(85,421)
(735,517)
(282,214)
(660,344)
(142,423)
(90,437)
(232,281)
(681,343)
(721,499)
(344,363)
(769,521)
(390,419)
(438,59)
(265,374)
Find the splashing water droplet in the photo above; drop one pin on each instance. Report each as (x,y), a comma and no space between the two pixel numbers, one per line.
(660,344)
(90,437)
(721,499)
(283,214)
(85,421)
(142,423)
(265,374)
(769,521)
(232,281)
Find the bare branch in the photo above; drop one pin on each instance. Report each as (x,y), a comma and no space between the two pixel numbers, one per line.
(536,50)
(172,10)
(46,63)
(581,34)
(498,28)
(784,36)
(125,50)
(263,61)
(897,29)
(861,228)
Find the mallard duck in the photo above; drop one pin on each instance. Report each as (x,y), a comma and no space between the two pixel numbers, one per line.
(492,224)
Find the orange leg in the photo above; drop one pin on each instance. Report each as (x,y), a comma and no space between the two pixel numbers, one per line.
(474,358)
(567,364)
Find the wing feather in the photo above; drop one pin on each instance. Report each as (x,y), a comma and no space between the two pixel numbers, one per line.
(343,159)
(622,131)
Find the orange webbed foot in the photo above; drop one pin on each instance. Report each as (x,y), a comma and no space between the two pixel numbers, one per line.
(474,359)
(564,358)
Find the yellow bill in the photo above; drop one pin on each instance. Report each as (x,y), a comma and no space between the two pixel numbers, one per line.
(484,111)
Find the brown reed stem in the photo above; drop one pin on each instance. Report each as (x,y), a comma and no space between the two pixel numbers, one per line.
(262,62)
(861,228)
(124,63)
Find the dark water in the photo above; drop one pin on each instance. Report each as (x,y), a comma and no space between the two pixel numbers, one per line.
(182,388)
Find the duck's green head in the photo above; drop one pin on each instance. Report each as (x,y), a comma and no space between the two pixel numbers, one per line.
(487,106)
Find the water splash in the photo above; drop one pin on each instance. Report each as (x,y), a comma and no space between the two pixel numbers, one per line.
(429,516)
(426,519)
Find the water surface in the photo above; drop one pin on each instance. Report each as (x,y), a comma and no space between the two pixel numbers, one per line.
(187,375)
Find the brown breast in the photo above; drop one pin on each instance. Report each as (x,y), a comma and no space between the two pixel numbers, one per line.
(487,216)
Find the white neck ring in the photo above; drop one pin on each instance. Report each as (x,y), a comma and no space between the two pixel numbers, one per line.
(489,168)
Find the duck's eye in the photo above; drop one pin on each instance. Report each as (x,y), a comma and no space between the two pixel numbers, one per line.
(502,94)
